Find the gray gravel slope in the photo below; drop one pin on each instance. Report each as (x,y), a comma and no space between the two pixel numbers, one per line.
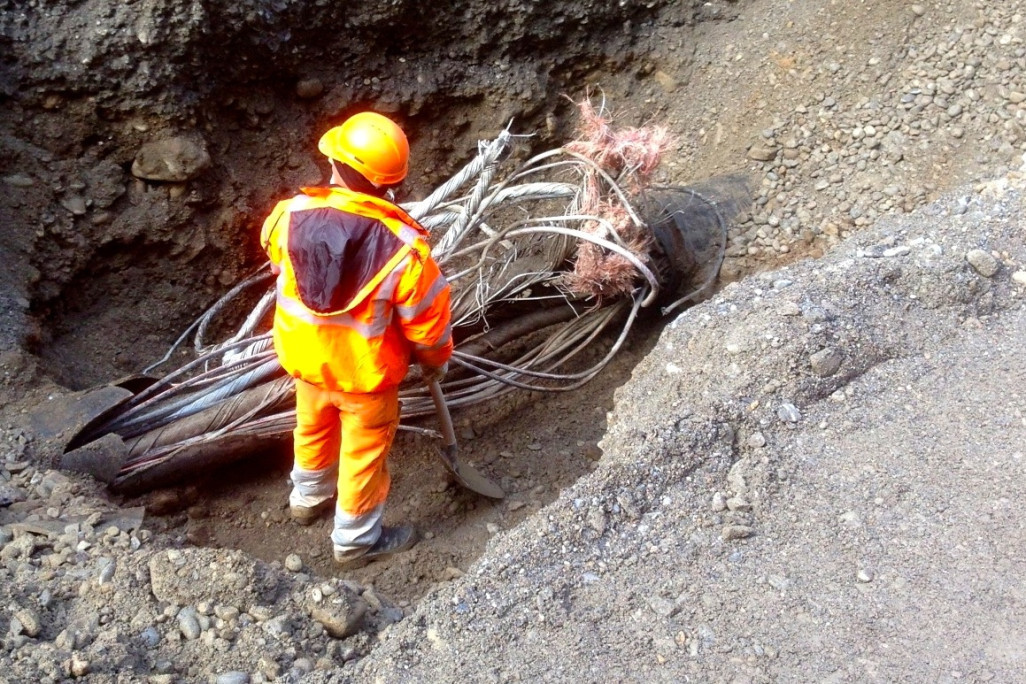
(813,477)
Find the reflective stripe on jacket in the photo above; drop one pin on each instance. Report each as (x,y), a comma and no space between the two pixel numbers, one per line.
(358,291)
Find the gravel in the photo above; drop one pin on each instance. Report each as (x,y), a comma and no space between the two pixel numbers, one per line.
(883,523)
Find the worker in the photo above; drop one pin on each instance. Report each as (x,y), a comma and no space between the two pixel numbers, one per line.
(358,298)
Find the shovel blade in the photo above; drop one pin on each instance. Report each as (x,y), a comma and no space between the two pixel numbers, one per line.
(468,476)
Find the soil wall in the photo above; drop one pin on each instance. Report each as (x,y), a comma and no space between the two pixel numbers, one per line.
(98,253)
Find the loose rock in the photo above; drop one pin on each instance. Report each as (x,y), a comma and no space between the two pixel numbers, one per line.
(983,262)
(731,532)
(176,160)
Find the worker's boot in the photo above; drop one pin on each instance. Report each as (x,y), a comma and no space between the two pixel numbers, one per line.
(392,540)
(308,515)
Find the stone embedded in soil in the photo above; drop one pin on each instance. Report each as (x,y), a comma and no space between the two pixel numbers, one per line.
(175,160)
(10,495)
(762,152)
(983,262)
(825,362)
(309,88)
(189,625)
(789,413)
(341,615)
(293,563)
(26,621)
(76,204)
(731,532)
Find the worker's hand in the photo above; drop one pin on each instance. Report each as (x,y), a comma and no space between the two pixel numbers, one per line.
(434,373)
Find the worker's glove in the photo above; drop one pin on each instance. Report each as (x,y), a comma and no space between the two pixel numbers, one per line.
(434,373)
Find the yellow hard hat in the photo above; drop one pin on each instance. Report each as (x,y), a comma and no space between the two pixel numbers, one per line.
(372,144)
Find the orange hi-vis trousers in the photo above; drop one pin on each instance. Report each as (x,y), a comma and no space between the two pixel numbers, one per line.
(349,434)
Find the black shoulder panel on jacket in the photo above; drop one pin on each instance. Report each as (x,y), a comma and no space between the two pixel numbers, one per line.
(335,253)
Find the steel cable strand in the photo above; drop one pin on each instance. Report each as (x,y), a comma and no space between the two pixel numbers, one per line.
(207,317)
(487,153)
(152,457)
(255,349)
(471,210)
(632,316)
(515,328)
(602,242)
(209,380)
(248,326)
(146,396)
(445,255)
(578,159)
(180,396)
(192,404)
(218,373)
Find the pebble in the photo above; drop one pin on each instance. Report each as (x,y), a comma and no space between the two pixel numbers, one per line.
(150,637)
(731,532)
(757,440)
(79,666)
(864,575)
(278,626)
(226,613)
(28,621)
(19,180)
(75,204)
(789,413)
(189,626)
(762,152)
(232,678)
(983,262)
(1019,277)
(824,363)
(107,570)
(293,563)
(737,503)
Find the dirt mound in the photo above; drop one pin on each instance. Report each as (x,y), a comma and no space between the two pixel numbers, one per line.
(795,485)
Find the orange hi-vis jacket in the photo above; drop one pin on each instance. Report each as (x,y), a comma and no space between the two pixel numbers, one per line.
(358,291)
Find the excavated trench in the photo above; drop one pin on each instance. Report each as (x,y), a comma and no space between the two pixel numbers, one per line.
(110,267)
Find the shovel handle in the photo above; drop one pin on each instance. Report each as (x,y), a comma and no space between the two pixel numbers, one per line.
(443,413)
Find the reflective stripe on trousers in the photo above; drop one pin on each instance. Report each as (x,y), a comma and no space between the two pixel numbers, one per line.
(342,440)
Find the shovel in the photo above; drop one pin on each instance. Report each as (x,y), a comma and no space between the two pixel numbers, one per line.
(465,474)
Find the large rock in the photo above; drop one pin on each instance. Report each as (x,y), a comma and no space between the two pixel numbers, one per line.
(174,160)
(341,614)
